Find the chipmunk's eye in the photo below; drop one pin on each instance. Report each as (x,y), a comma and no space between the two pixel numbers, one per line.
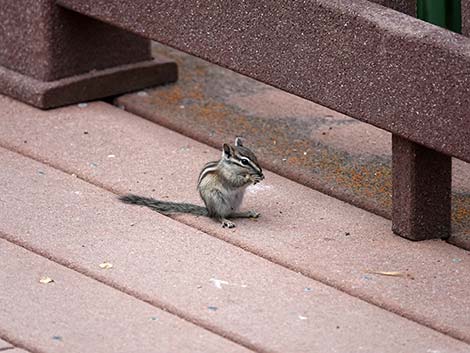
(244,162)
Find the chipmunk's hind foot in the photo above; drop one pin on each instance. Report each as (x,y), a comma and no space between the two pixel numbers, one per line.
(227,224)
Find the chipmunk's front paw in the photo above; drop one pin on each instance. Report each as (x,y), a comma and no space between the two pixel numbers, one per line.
(227,224)
(255,179)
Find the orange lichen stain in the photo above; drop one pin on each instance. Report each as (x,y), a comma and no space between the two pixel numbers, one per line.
(293,160)
(461,209)
(213,113)
(357,177)
(196,94)
(172,96)
(461,214)
(199,71)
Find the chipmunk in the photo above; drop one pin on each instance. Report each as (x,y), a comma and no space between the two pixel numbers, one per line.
(221,185)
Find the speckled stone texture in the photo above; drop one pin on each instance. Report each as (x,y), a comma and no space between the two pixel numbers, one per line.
(88,86)
(50,56)
(359,58)
(77,314)
(465,18)
(47,42)
(261,305)
(405,6)
(300,229)
(421,191)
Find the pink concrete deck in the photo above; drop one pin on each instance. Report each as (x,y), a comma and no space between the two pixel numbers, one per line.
(299,279)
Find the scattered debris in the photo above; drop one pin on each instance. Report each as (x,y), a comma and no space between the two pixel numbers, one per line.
(154,318)
(46,280)
(456,260)
(212,308)
(106,265)
(387,273)
(57,338)
(218,282)
(82,105)
(41,172)
(111,156)
(307,289)
(303,317)
(142,94)
(94,165)
(85,132)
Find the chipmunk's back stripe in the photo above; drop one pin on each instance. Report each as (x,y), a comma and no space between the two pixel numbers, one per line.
(208,168)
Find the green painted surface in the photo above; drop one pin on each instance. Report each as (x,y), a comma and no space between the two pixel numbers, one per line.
(443,13)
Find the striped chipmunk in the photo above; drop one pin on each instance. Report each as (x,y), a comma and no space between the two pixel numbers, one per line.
(221,185)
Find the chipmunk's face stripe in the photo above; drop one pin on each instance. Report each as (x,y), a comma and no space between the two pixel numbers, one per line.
(253,165)
(245,162)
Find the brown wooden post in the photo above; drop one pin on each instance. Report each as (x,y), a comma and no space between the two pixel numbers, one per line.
(50,56)
(421,191)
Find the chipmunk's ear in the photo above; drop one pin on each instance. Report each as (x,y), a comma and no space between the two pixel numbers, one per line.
(238,142)
(227,151)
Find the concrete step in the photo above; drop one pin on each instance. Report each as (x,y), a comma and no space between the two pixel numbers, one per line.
(5,346)
(78,314)
(301,229)
(301,140)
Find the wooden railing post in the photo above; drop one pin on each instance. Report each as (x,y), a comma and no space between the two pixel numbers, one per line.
(50,56)
(421,191)
(422,176)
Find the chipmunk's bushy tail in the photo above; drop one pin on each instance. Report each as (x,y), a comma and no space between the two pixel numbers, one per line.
(164,207)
